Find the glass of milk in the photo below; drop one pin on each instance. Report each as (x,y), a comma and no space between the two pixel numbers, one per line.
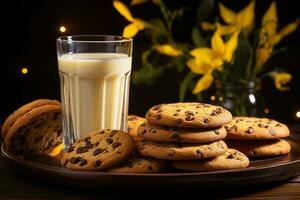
(94,75)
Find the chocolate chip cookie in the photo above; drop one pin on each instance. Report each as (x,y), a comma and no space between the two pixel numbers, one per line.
(231,159)
(133,123)
(188,115)
(252,128)
(261,148)
(140,165)
(100,150)
(180,151)
(167,134)
(37,131)
(23,110)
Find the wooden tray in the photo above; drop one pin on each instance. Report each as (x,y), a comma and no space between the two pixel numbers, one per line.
(260,171)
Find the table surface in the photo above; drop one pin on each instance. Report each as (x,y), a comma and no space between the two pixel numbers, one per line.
(16,186)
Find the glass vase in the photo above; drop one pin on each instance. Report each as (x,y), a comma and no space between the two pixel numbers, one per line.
(241,99)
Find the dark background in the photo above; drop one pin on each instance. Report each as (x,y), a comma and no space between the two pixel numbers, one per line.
(29,30)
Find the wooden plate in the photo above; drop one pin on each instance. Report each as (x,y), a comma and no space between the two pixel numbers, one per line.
(260,171)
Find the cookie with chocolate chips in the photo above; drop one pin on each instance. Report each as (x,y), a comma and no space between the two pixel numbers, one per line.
(100,150)
(253,128)
(261,148)
(141,165)
(180,151)
(188,115)
(231,159)
(167,134)
(34,128)
(134,122)
(11,119)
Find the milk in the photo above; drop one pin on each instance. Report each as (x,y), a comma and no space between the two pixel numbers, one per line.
(94,92)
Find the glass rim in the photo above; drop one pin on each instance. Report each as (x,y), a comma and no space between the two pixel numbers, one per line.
(79,39)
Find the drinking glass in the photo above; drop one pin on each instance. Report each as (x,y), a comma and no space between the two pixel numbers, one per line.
(94,75)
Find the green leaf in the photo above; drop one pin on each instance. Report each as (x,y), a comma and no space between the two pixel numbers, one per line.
(205,9)
(147,74)
(179,12)
(184,85)
(197,38)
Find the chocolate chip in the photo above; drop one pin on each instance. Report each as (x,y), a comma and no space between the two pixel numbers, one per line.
(260,125)
(172,153)
(143,124)
(96,144)
(158,117)
(150,168)
(97,163)
(129,129)
(272,132)
(176,114)
(113,132)
(230,156)
(116,144)
(189,118)
(98,151)
(83,162)
(178,110)
(277,125)
(234,127)
(153,130)
(70,149)
(144,132)
(205,120)
(199,153)
(213,113)
(216,132)
(75,160)
(80,150)
(266,126)
(101,132)
(66,162)
(89,145)
(189,113)
(109,140)
(175,136)
(219,110)
(249,130)
(87,139)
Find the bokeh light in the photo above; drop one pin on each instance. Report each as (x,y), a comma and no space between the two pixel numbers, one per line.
(24,70)
(298,114)
(62,29)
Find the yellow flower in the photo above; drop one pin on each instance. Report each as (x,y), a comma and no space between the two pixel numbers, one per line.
(137,2)
(206,60)
(235,21)
(269,36)
(269,32)
(169,50)
(281,79)
(136,24)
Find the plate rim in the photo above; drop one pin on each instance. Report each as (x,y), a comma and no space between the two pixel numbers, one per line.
(12,157)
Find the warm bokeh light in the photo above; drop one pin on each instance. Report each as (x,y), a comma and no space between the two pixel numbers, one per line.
(24,70)
(62,29)
(298,114)
(213,97)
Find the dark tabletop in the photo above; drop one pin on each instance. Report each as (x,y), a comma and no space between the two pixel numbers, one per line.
(17,186)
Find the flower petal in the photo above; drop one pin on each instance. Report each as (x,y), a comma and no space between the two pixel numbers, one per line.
(245,18)
(208,26)
(169,50)
(217,43)
(199,66)
(130,30)
(270,20)
(123,10)
(263,54)
(288,29)
(281,79)
(227,29)
(227,15)
(137,2)
(203,83)
(231,45)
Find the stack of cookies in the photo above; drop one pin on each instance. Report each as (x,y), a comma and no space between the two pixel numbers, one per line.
(189,134)
(34,128)
(258,137)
